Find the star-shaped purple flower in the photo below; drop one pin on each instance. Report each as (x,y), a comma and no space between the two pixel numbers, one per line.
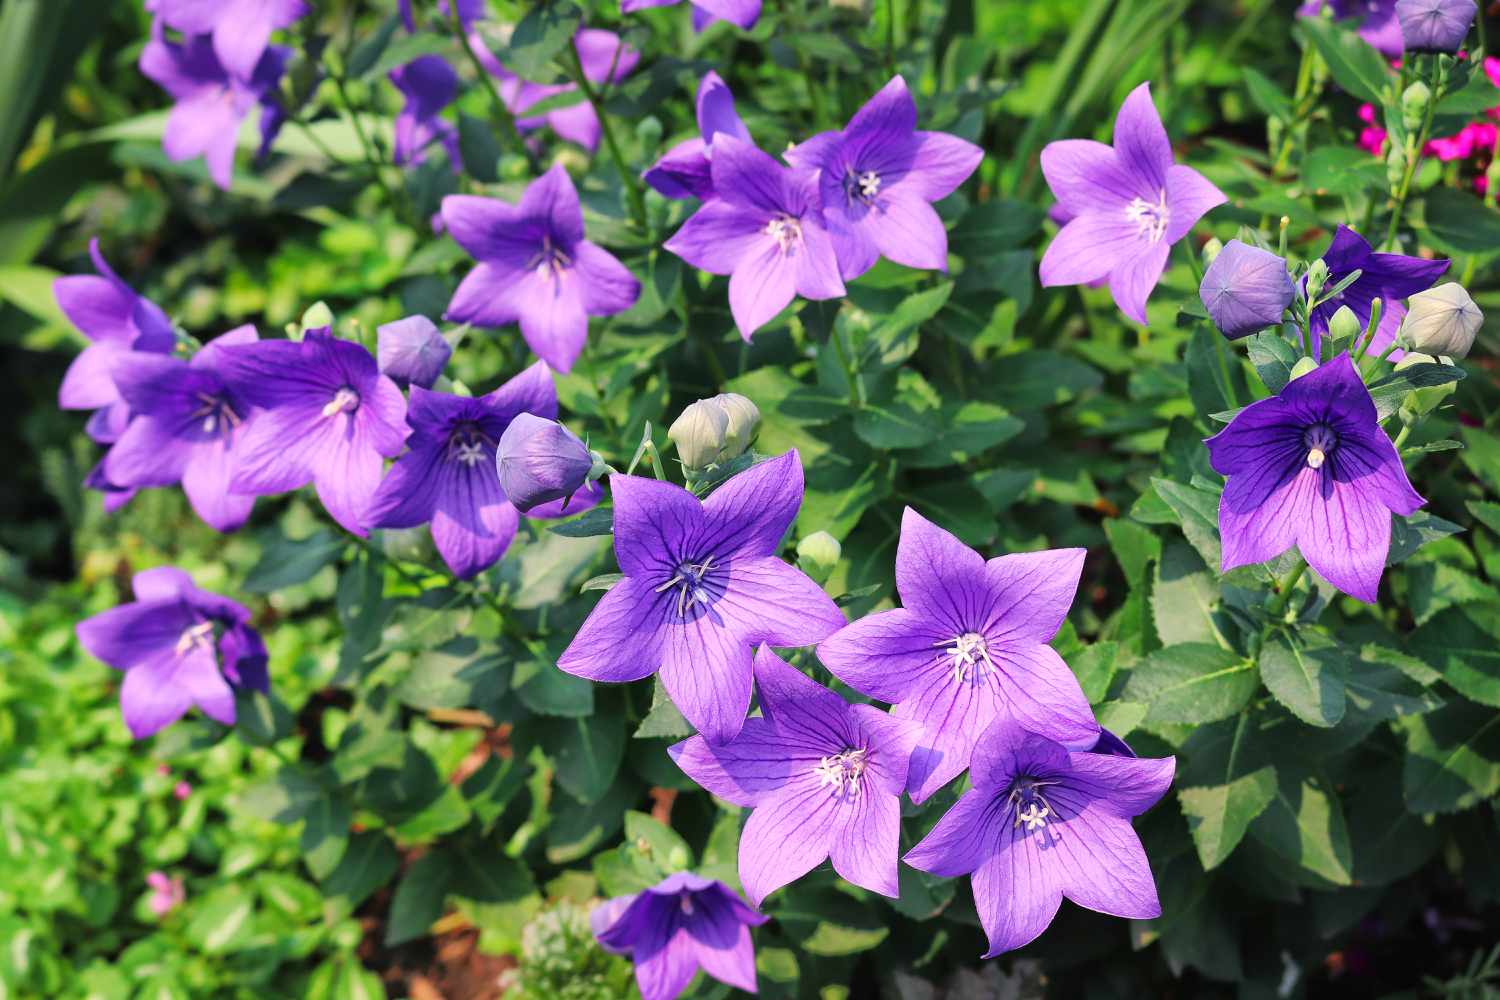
(878,177)
(186,428)
(1312,468)
(535,268)
(429,85)
(179,646)
(331,419)
(684,170)
(968,645)
(702,588)
(823,777)
(742,13)
(1043,822)
(765,230)
(1390,276)
(239,30)
(605,59)
(1378,25)
(116,321)
(211,100)
(1129,203)
(676,927)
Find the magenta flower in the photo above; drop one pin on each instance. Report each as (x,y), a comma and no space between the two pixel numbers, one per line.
(702,588)
(1312,468)
(765,229)
(535,268)
(1389,276)
(1043,822)
(181,791)
(824,780)
(676,927)
(1128,204)
(741,13)
(179,647)
(684,170)
(878,178)
(412,351)
(239,30)
(330,418)
(967,646)
(429,85)
(166,893)
(187,427)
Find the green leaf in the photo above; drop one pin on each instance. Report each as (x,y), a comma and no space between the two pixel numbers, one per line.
(1219,815)
(1355,66)
(260,718)
(994,225)
(285,562)
(1183,597)
(1459,222)
(444,814)
(829,923)
(1267,95)
(325,835)
(588,751)
(30,290)
(1036,379)
(285,797)
(1487,513)
(541,35)
(418,901)
(911,418)
(1192,682)
(663,720)
(968,429)
(223,921)
(1452,757)
(454,675)
(363,59)
(1434,586)
(1273,358)
(1482,455)
(479,874)
(546,690)
(595,521)
(1305,824)
(659,842)
(1408,534)
(368,863)
(1389,392)
(1463,645)
(1306,673)
(404,50)
(1197,511)
(1342,170)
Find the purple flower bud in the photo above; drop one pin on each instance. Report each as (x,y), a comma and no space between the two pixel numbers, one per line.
(539,461)
(1245,289)
(1435,25)
(412,351)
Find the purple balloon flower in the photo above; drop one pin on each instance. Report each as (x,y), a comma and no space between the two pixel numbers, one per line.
(412,351)
(823,777)
(469,11)
(1043,822)
(240,30)
(676,927)
(429,85)
(684,170)
(211,100)
(179,646)
(1312,468)
(1389,276)
(116,321)
(1129,203)
(702,588)
(765,230)
(742,13)
(878,177)
(1435,25)
(968,646)
(535,268)
(539,461)
(1378,25)
(331,419)
(1245,289)
(114,495)
(187,427)
(447,474)
(605,60)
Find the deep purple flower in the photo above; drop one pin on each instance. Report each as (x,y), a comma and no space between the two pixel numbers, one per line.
(539,461)
(240,29)
(331,419)
(823,777)
(1389,276)
(1129,204)
(676,927)
(684,170)
(1312,468)
(1043,822)
(469,11)
(765,230)
(742,13)
(702,588)
(535,268)
(878,177)
(1245,289)
(1435,25)
(187,427)
(1378,25)
(968,645)
(179,646)
(447,474)
(117,321)
(211,100)
(605,59)
(412,351)
(429,85)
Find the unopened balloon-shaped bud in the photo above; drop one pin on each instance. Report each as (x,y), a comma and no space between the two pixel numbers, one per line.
(540,460)
(818,554)
(317,316)
(1211,251)
(412,351)
(1246,289)
(1442,320)
(699,433)
(1344,325)
(1303,366)
(744,421)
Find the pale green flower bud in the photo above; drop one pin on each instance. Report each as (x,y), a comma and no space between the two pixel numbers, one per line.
(1344,325)
(317,316)
(1303,366)
(699,434)
(1414,102)
(1395,166)
(744,421)
(1421,401)
(1442,320)
(1210,251)
(818,554)
(1317,277)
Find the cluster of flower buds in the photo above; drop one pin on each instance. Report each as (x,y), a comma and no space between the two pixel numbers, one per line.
(715,430)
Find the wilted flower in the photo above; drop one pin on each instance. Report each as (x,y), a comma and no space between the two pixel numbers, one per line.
(969,645)
(877,178)
(1390,277)
(412,351)
(331,419)
(1043,822)
(1442,320)
(166,893)
(1435,25)
(240,29)
(1128,204)
(824,779)
(743,13)
(1377,20)
(765,229)
(429,85)
(539,461)
(684,171)
(535,268)
(1245,289)
(1312,468)
(179,646)
(676,927)
(702,588)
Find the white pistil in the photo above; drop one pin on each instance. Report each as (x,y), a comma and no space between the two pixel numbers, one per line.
(842,772)
(198,635)
(1032,807)
(689,577)
(550,260)
(869,185)
(211,410)
(785,230)
(471,453)
(1150,219)
(1319,440)
(345,399)
(967,651)
(1315,457)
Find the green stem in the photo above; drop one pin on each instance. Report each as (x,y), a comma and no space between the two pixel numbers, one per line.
(1413,159)
(372,156)
(1369,336)
(504,120)
(856,393)
(1401,438)
(1278,604)
(1222,350)
(632,183)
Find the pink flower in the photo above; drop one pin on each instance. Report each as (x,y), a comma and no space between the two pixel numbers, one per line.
(182,790)
(166,893)
(1372,136)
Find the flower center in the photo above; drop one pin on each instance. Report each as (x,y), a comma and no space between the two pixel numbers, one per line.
(218,416)
(1150,219)
(786,231)
(863,186)
(842,772)
(970,657)
(1319,440)
(686,902)
(1031,805)
(551,260)
(345,400)
(691,579)
(200,636)
(469,445)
